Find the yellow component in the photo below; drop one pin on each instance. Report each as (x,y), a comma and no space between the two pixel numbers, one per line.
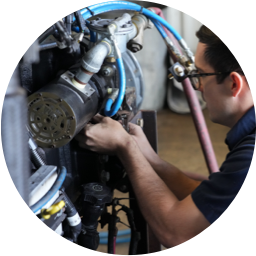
(111,59)
(170,76)
(47,213)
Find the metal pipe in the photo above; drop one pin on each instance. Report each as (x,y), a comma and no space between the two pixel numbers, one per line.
(47,46)
(196,111)
(91,63)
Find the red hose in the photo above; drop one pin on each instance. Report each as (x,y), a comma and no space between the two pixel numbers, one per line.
(195,108)
(114,245)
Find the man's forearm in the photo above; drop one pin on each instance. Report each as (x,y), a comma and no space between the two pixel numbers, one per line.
(154,197)
(179,183)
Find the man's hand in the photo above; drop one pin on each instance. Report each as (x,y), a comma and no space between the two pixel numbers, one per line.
(106,136)
(138,135)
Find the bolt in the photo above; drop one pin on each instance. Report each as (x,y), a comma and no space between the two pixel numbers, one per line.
(60,100)
(39,94)
(71,117)
(125,26)
(52,146)
(98,18)
(69,137)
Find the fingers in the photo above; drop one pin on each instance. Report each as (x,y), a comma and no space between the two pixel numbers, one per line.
(98,118)
(134,129)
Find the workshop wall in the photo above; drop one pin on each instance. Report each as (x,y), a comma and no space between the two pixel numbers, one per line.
(154,61)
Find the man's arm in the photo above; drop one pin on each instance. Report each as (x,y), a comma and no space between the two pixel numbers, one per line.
(178,182)
(173,221)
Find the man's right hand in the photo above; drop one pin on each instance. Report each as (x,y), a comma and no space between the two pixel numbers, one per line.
(138,135)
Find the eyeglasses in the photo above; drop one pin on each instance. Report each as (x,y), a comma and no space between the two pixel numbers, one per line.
(195,77)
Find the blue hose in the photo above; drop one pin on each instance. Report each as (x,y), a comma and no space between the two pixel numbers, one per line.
(118,240)
(49,195)
(110,109)
(120,233)
(122,5)
(118,5)
(159,28)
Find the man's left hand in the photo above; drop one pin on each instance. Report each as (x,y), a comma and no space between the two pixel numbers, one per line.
(106,136)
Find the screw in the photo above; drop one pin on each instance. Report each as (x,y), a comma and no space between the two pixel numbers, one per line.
(39,94)
(52,146)
(69,137)
(71,117)
(60,100)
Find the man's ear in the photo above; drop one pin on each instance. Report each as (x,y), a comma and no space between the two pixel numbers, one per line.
(237,83)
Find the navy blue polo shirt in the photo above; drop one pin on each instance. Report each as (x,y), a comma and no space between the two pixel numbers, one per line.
(213,196)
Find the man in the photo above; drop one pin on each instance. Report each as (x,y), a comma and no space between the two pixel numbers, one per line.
(175,206)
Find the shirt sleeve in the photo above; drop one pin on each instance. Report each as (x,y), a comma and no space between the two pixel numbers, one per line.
(213,196)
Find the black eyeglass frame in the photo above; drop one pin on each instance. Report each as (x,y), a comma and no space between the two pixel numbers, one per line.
(203,75)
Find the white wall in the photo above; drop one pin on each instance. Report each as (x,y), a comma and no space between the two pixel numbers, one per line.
(154,55)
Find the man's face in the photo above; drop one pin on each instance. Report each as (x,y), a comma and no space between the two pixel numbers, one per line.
(214,94)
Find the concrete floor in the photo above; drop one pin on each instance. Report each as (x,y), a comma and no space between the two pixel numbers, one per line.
(178,144)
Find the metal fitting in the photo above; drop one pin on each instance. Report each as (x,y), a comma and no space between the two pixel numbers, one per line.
(140,122)
(141,23)
(113,93)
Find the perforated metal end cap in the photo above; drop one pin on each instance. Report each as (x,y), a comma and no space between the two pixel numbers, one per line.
(51,121)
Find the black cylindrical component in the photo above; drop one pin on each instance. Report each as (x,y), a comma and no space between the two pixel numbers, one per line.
(80,21)
(89,239)
(96,195)
(58,111)
(68,21)
(14,135)
(47,33)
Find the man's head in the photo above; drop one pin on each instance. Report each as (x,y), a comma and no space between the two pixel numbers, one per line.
(228,96)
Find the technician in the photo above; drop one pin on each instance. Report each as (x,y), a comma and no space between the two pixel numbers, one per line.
(175,206)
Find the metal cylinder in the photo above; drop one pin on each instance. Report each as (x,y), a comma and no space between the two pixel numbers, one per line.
(58,111)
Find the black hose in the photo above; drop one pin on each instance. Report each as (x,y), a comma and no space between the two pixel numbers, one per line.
(135,236)
(75,224)
(47,33)
(69,21)
(80,21)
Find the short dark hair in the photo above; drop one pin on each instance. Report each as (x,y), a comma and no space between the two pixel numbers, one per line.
(217,53)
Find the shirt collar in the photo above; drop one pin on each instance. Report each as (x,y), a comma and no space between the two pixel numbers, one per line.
(243,127)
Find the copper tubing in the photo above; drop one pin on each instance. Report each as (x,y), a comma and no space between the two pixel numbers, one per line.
(195,109)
